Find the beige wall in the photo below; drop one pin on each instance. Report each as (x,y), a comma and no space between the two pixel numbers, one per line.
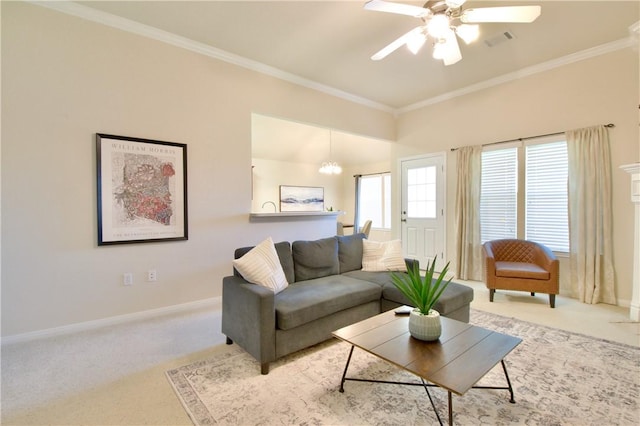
(63,80)
(594,91)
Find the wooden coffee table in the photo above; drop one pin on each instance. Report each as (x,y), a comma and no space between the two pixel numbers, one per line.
(462,356)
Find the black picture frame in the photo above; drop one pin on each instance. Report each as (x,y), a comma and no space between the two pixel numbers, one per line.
(141,190)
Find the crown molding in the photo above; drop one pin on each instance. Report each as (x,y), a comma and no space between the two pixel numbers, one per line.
(524,72)
(128,25)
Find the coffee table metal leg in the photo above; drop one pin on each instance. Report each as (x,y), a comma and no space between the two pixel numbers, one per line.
(504,367)
(450,409)
(435,410)
(344,374)
(509,387)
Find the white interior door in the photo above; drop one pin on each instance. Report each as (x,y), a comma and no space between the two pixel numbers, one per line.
(423,209)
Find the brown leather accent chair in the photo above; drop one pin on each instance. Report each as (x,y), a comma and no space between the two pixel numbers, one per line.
(520,265)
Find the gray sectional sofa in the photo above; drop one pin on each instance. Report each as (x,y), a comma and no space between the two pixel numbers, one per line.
(327,290)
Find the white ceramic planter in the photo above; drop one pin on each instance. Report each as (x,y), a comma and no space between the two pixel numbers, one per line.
(425,327)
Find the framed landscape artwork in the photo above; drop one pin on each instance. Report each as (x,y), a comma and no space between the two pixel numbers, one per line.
(142,190)
(301,198)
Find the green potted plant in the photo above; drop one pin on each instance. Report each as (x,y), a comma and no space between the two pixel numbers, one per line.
(423,293)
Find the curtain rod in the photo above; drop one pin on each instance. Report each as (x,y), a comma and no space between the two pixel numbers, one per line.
(530,137)
(371,174)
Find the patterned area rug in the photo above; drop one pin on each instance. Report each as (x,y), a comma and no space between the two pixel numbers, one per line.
(559,378)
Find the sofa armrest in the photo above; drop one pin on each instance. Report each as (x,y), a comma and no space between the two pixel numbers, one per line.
(249,317)
(489,264)
(546,259)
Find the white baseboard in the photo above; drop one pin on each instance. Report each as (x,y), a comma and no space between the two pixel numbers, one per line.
(213,303)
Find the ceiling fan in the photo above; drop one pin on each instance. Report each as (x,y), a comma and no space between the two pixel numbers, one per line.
(443,20)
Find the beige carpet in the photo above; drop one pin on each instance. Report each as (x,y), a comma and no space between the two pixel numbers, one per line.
(559,378)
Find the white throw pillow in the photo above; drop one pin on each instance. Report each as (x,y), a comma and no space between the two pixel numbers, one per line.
(382,256)
(261,266)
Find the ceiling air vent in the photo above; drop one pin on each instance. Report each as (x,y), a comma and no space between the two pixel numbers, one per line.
(499,38)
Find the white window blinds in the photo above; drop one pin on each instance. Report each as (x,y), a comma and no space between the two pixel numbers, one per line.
(546,219)
(498,200)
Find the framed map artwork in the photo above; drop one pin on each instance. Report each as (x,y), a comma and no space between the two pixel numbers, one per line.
(142,190)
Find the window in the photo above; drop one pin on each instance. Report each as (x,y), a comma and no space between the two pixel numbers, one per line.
(374,202)
(499,190)
(546,212)
(538,185)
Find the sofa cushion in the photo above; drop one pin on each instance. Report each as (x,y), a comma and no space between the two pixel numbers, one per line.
(310,300)
(350,252)
(380,278)
(315,259)
(283,249)
(261,266)
(454,297)
(521,270)
(382,256)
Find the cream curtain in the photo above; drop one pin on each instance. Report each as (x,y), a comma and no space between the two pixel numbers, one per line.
(469,249)
(590,231)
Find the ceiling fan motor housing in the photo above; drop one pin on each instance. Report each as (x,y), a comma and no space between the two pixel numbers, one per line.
(440,7)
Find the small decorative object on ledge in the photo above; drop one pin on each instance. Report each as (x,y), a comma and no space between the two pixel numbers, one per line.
(142,190)
(423,292)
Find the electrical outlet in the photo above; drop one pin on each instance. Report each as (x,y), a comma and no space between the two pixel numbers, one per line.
(127,278)
(151,275)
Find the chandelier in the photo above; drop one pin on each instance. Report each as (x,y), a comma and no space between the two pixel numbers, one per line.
(330,167)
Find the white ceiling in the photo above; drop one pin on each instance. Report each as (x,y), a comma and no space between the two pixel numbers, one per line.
(328,45)
(331,42)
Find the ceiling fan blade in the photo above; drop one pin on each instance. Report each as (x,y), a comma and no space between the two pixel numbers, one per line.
(399,8)
(396,44)
(523,14)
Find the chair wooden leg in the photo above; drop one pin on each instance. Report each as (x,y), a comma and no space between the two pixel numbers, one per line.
(552,300)
(492,291)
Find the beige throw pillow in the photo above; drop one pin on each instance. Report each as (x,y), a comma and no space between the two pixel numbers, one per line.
(382,256)
(261,266)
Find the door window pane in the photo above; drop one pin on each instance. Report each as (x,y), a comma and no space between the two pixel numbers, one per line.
(421,192)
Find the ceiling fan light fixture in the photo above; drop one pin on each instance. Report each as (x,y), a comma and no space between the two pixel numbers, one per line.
(447,49)
(468,32)
(438,26)
(439,49)
(416,41)
(445,21)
